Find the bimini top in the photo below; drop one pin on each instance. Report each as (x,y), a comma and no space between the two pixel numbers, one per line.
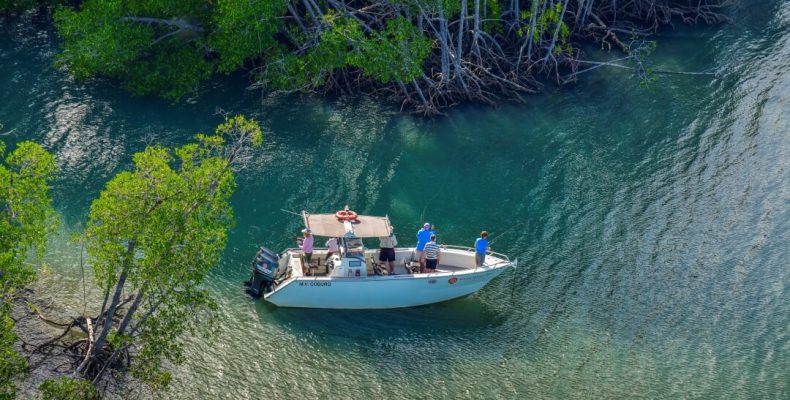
(364,226)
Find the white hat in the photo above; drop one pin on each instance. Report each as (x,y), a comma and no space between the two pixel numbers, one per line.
(306,230)
(426,225)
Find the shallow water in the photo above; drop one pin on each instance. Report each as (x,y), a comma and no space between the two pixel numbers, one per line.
(652,225)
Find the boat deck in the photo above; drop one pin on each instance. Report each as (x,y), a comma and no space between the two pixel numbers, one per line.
(401,270)
(457,259)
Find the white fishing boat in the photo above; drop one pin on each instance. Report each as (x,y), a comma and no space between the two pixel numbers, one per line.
(355,279)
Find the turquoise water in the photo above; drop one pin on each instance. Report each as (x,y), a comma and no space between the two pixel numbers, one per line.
(652,225)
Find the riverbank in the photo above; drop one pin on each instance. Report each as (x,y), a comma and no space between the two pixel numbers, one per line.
(426,56)
(37,323)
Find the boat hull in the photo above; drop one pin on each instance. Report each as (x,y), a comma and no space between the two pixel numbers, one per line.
(380,292)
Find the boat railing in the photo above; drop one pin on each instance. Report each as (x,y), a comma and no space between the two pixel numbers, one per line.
(505,259)
(472,250)
(446,246)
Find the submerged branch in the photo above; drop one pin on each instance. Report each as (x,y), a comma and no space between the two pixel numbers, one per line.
(598,64)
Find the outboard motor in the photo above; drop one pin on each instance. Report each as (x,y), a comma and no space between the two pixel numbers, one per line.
(264,266)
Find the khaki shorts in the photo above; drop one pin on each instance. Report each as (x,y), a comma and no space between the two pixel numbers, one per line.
(418,255)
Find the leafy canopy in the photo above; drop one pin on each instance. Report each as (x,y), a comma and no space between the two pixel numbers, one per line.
(157,231)
(26,213)
(164,48)
(393,54)
(168,48)
(245,30)
(26,217)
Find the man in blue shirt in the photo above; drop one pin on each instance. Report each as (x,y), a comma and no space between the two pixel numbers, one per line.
(423,237)
(481,248)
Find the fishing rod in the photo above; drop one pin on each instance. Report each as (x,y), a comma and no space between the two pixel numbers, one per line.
(291,212)
(505,232)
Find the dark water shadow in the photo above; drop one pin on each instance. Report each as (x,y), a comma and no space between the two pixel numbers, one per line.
(467,314)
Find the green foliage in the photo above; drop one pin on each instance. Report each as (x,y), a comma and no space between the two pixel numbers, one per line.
(97,42)
(159,75)
(156,47)
(546,21)
(493,24)
(26,216)
(448,7)
(162,227)
(312,69)
(397,53)
(67,389)
(10,362)
(165,48)
(451,7)
(163,55)
(545,25)
(245,29)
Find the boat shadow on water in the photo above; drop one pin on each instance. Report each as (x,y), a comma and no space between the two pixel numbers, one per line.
(459,315)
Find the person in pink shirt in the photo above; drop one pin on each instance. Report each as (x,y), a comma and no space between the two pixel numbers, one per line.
(306,244)
(331,247)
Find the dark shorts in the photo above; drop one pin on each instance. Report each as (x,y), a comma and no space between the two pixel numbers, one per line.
(431,264)
(387,255)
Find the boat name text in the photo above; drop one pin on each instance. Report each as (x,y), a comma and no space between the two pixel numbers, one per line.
(315,283)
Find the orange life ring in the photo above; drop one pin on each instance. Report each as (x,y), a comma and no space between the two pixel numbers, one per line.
(346,215)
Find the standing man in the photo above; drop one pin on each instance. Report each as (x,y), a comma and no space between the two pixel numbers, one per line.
(432,254)
(481,248)
(387,249)
(423,237)
(306,244)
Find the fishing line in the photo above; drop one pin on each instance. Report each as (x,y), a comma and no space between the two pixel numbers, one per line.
(444,183)
(513,280)
(513,287)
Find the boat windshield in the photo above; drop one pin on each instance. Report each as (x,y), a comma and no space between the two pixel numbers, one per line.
(353,246)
